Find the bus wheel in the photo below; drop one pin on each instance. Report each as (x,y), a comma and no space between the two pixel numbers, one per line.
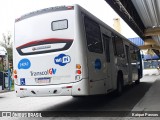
(137,81)
(75,96)
(119,84)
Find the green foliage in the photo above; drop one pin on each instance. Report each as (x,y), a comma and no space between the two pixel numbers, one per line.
(10,54)
(7,44)
(12,86)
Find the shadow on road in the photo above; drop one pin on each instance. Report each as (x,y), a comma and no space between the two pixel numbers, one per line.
(94,104)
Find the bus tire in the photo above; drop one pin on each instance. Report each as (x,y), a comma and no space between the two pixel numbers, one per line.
(119,84)
(137,81)
(79,97)
(76,96)
(21,97)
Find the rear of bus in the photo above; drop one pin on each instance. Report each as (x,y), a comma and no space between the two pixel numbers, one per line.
(46,60)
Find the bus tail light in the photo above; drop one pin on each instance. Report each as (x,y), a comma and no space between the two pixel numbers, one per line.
(78,72)
(15,71)
(78,66)
(21,88)
(68,86)
(15,76)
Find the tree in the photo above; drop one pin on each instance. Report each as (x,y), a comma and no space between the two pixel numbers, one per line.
(7,44)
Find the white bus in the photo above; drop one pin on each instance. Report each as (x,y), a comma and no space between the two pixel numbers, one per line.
(67,51)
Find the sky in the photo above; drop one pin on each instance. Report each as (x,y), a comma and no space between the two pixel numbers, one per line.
(12,9)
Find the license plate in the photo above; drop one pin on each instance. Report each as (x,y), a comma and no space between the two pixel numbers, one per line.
(43,80)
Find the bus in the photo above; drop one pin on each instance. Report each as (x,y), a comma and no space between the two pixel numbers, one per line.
(67,51)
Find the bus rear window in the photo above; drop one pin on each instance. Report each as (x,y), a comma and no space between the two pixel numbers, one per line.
(44,46)
(59,25)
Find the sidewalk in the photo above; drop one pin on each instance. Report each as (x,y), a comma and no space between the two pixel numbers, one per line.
(148,108)
(151,100)
(2,91)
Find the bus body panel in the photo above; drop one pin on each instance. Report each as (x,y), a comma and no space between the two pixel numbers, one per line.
(53,66)
(70,52)
(74,89)
(50,70)
(80,88)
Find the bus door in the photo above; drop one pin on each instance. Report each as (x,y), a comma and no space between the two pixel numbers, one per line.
(108,59)
(128,63)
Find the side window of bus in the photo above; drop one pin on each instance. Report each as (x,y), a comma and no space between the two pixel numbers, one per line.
(106,41)
(114,44)
(134,54)
(118,46)
(93,35)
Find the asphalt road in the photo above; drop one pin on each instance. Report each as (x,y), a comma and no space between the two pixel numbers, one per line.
(66,106)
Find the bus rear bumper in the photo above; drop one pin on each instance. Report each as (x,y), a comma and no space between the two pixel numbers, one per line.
(79,88)
(42,91)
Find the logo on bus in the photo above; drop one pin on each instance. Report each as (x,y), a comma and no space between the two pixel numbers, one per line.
(98,64)
(24,64)
(62,59)
(22,81)
(51,71)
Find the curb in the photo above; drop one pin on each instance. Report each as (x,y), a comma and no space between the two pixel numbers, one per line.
(153,74)
(4,91)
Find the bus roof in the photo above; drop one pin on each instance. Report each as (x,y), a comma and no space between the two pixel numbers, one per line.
(43,11)
(71,7)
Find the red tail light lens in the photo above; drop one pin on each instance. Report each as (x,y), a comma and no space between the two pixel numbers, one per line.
(68,86)
(79,72)
(15,76)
